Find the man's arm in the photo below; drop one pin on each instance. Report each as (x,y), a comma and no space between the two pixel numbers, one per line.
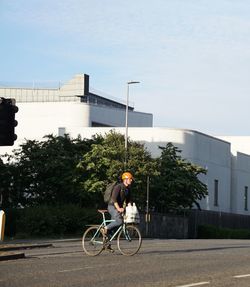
(119,209)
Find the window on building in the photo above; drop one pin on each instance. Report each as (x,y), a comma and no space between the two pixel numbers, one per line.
(246,198)
(96,124)
(61,132)
(216,192)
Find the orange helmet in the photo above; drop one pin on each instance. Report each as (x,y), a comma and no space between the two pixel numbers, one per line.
(127,175)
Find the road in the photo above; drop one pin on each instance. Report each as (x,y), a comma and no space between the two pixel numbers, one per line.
(212,263)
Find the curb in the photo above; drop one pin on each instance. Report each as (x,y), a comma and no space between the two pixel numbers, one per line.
(6,255)
(9,247)
(11,256)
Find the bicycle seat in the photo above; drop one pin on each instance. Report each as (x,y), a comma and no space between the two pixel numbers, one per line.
(102,210)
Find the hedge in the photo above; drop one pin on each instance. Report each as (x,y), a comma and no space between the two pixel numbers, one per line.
(50,221)
(213,232)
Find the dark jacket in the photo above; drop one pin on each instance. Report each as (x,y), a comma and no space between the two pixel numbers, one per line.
(120,194)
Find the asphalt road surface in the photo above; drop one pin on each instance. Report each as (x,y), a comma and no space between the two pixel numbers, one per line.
(182,263)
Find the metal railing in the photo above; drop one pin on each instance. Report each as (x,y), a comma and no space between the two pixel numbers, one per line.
(38,92)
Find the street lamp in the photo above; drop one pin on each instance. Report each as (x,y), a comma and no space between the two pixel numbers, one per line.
(126,121)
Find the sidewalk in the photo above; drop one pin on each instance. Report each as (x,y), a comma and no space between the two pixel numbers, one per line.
(10,250)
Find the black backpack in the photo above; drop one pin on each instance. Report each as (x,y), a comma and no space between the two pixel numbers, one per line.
(108,191)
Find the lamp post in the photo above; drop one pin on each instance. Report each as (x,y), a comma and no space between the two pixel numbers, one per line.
(126,120)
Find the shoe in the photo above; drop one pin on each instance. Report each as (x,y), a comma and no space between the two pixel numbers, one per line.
(108,248)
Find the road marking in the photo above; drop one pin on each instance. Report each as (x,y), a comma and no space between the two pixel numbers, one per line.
(70,270)
(86,267)
(194,284)
(242,276)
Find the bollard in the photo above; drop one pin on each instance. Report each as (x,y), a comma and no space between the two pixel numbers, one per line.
(2,224)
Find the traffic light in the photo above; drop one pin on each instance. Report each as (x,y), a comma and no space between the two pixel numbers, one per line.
(8,123)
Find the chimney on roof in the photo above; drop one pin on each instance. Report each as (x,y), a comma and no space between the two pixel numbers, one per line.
(86,84)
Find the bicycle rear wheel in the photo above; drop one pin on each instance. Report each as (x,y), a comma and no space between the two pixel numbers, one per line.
(92,241)
(129,240)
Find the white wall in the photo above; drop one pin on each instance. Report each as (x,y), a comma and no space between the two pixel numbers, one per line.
(214,155)
(239,143)
(116,117)
(240,179)
(38,119)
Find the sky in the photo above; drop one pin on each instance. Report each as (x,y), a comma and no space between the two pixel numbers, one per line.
(191,57)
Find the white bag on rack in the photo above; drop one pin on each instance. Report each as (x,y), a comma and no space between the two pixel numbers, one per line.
(132,214)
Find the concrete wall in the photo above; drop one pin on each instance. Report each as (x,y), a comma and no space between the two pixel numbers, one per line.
(238,143)
(116,117)
(37,119)
(240,150)
(240,181)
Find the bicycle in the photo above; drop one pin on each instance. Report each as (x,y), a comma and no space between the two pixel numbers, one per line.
(128,238)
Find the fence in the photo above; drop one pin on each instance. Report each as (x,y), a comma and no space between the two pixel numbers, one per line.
(185,225)
(218,219)
(164,226)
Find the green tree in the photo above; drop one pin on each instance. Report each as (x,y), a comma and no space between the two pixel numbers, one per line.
(177,186)
(5,187)
(45,172)
(105,163)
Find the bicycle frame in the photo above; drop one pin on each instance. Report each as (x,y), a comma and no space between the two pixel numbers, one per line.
(104,224)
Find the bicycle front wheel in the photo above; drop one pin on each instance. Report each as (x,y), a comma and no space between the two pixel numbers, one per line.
(129,240)
(92,241)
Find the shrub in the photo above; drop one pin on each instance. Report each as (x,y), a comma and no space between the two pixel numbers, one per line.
(53,221)
(213,232)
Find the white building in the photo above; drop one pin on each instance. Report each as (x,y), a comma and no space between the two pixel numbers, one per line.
(72,109)
(47,110)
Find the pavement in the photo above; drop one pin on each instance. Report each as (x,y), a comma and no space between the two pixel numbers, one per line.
(14,249)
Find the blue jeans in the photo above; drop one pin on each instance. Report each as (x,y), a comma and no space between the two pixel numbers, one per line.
(115,215)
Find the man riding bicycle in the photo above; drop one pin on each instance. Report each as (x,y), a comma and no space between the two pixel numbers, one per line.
(121,196)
